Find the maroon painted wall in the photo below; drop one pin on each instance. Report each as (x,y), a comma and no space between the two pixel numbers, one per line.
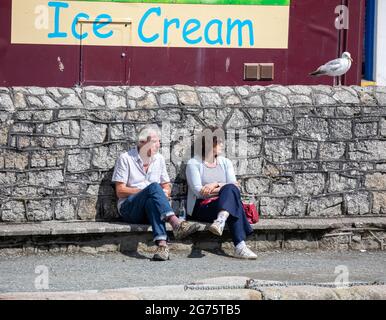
(313,40)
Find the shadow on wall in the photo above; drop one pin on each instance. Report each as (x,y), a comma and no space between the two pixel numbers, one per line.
(179,183)
(106,204)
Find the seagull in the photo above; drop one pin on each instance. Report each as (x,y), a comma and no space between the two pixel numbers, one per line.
(335,68)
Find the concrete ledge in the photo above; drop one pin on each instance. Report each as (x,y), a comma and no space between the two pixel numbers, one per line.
(179,292)
(346,233)
(93,227)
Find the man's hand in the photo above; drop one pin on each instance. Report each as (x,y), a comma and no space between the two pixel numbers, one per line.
(166,187)
(208,189)
(166,193)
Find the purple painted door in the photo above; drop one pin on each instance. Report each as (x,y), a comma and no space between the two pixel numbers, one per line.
(103,65)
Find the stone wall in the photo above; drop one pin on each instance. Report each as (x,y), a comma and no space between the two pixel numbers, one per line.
(310,151)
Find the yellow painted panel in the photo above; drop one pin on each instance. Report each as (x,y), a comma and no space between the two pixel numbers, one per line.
(155,25)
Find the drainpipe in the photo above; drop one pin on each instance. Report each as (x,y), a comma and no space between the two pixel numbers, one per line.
(369,39)
(380,43)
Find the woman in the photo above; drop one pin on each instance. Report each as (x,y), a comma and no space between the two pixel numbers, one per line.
(213,192)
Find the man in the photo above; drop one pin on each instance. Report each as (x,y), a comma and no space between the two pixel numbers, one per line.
(143,189)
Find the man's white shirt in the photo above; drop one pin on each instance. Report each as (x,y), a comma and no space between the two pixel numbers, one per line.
(129,170)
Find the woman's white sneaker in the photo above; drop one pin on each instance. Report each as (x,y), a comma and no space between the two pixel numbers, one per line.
(217,228)
(245,253)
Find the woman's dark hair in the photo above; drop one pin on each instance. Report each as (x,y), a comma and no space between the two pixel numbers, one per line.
(214,134)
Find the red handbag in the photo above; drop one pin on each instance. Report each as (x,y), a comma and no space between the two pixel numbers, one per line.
(207,201)
(249,209)
(251,212)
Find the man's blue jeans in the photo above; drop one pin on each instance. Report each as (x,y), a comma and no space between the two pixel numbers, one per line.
(150,205)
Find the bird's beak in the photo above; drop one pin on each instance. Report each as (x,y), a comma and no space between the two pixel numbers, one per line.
(351,59)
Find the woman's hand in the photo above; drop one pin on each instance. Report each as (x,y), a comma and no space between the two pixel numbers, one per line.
(208,189)
(215,192)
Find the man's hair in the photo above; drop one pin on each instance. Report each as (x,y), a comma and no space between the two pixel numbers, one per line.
(146,132)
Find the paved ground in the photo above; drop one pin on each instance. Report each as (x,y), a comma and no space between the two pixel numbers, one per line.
(116,270)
